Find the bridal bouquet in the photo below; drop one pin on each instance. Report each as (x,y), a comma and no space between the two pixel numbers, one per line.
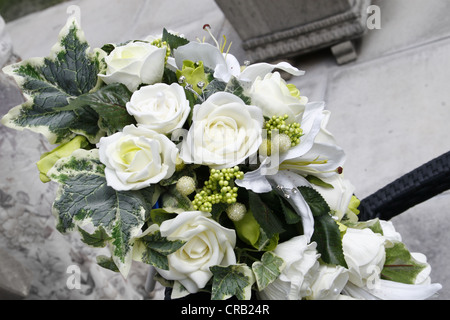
(221,176)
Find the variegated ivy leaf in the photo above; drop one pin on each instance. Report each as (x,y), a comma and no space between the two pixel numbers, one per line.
(109,102)
(234,280)
(268,269)
(153,249)
(400,265)
(50,83)
(84,197)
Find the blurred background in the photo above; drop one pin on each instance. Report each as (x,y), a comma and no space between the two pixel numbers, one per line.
(381,66)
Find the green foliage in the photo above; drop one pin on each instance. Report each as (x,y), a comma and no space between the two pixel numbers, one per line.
(326,231)
(233,280)
(98,239)
(400,266)
(264,215)
(50,83)
(173,40)
(267,270)
(109,103)
(85,196)
(156,249)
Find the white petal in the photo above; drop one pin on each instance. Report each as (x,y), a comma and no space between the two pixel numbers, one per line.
(390,290)
(256,70)
(194,51)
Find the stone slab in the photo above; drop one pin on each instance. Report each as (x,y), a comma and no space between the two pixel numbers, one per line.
(406,24)
(391,114)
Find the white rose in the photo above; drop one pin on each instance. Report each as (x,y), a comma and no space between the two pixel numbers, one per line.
(365,255)
(328,283)
(137,158)
(294,282)
(135,63)
(160,107)
(207,244)
(272,95)
(224,132)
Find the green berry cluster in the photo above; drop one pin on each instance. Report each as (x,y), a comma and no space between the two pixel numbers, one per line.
(218,189)
(162,44)
(292,130)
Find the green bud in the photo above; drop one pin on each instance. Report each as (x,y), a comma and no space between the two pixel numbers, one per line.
(194,74)
(248,229)
(49,159)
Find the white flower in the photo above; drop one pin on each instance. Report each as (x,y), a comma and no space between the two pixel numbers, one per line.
(207,244)
(294,283)
(329,282)
(311,122)
(225,65)
(324,157)
(389,231)
(135,63)
(365,255)
(224,132)
(272,95)
(338,197)
(160,107)
(137,158)
(391,290)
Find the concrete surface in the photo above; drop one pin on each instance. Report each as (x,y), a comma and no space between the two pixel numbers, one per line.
(390,112)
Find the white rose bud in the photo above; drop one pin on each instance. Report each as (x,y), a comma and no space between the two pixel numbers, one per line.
(365,255)
(135,63)
(160,107)
(294,282)
(137,158)
(329,282)
(273,96)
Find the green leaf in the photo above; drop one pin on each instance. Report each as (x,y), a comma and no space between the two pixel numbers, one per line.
(173,40)
(157,248)
(108,48)
(400,266)
(266,218)
(373,225)
(159,215)
(268,269)
(233,86)
(109,103)
(290,215)
(169,76)
(49,83)
(84,196)
(98,239)
(328,238)
(107,263)
(233,280)
(315,201)
(318,182)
